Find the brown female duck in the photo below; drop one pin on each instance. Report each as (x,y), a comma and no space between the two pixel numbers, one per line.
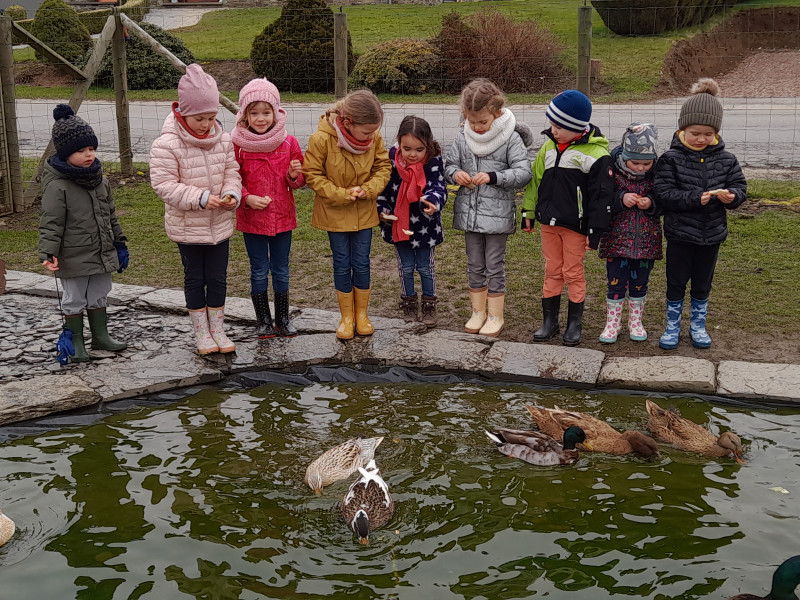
(7,528)
(670,427)
(539,448)
(367,504)
(340,462)
(784,581)
(602,437)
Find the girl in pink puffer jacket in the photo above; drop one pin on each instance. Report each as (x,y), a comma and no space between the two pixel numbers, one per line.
(193,170)
(270,163)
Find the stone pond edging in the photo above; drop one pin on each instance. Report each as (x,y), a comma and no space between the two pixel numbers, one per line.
(160,355)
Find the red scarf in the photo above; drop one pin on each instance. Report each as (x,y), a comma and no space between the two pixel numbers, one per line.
(411,188)
(179,118)
(347,141)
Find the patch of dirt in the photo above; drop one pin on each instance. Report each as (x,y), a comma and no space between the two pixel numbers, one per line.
(42,75)
(230,74)
(765,74)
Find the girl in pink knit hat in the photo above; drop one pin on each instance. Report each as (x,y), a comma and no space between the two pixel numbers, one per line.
(270,161)
(193,169)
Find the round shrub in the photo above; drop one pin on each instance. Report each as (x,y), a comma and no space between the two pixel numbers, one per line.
(146,69)
(295,51)
(401,66)
(16,12)
(58,26)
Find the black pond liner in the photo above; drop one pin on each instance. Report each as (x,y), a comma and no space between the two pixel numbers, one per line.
(364,374)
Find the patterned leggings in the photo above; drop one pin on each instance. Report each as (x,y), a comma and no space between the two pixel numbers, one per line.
(628,274)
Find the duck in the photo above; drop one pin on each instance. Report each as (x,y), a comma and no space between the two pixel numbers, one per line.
(670,427)
(539,448)
(7,528)
(784,581)
(602,437)
(367,504)
(340,462)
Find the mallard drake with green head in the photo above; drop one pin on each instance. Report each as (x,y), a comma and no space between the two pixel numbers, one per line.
(539,448)
(670,427)
(602,437)
(367,504)
(340,462)
(7,528)
(784,581)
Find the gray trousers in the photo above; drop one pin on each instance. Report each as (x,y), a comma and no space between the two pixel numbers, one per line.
(486,261)
(85,293)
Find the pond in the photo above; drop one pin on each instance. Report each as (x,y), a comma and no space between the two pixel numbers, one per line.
(204,498)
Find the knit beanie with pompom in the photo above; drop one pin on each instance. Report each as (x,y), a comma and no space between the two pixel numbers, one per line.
(70,132)
(702,107)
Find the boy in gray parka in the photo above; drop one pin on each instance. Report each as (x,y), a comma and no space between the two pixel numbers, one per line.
(489,160)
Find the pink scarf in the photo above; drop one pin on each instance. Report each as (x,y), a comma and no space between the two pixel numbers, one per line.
(347,141)
(411,189)
(249,141)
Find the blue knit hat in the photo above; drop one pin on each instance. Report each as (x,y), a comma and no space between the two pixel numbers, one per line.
(70,132)
(570,110)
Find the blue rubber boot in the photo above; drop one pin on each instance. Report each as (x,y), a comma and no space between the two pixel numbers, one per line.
(697,326)
(671,336)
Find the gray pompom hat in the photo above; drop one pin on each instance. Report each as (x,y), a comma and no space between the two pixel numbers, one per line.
(702,107)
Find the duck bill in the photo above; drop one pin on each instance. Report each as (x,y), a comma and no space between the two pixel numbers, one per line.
(739,458)
(318,492)
(363,541)
(586,445)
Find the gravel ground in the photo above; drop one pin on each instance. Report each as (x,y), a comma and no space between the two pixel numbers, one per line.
(773,74)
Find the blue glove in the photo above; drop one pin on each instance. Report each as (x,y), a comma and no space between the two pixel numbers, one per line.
(122,255)
(64,347)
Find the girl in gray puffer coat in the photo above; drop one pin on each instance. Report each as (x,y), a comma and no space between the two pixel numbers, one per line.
(489,161)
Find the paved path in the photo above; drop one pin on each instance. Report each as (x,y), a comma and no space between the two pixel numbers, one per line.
(175,18)
(762,133)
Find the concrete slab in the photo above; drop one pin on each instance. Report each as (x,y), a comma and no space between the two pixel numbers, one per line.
(546,363)
(164,299)
(44,395)
(122,293)
(278,353)
(758,380)
(23,282)
(174,369)
(660,373)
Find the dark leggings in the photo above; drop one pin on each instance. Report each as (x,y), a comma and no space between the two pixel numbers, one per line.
(628,275)
(690,261)
(205,274)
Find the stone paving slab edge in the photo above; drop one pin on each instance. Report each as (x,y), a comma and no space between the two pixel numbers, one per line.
(44,395)
(660,374)
(758,380)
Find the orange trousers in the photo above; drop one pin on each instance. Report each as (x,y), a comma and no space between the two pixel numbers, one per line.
(563,251)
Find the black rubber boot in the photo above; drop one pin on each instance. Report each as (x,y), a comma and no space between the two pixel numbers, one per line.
(283,325)
(75,323)
(101,340)
(550,309)
(264,329)
(572,334)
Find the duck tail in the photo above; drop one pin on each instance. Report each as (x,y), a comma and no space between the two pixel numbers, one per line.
(495,437)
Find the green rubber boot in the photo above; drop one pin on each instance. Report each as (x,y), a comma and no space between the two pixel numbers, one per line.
(75,323)
(98,323)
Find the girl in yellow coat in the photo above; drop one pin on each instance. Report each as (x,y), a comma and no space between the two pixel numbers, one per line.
(347,166)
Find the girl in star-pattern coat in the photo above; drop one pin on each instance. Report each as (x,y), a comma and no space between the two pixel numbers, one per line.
(410,210)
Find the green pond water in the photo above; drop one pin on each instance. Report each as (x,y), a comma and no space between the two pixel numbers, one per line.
(204,498)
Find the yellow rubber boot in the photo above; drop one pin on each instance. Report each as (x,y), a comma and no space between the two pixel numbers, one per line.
(363,325)
(345,329)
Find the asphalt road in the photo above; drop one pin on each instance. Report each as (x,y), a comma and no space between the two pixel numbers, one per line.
(763,133)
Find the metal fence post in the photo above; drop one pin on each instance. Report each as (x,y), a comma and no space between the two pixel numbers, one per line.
(584,48)
(10,112)
(340,53)
(121,95)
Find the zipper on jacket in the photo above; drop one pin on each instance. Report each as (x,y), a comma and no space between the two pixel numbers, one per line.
(580,203)
(211,191)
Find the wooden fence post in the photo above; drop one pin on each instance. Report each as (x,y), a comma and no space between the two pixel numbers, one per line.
(584,49)
(10,112)
(121,95)
(340,53)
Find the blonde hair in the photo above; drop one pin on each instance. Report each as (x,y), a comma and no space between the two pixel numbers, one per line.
(479,94)
(245,121)
(361,107)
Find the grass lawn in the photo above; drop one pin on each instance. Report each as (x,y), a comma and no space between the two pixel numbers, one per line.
(759,257)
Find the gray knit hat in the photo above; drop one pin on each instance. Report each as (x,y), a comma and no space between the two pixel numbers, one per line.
(70,132)
(702,108)
(640,142)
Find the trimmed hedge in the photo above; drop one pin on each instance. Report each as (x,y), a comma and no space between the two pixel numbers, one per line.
(146,69)
(58,26)
(295,51)
(95,20)
(401,66)
(16,12)
(632,17)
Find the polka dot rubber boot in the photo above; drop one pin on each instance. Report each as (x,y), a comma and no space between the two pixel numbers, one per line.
(635,312)
(613,320)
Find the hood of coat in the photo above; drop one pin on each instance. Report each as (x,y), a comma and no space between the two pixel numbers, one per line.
(677,144)
(325,125)
(171,126)
(525,132)
(593,136)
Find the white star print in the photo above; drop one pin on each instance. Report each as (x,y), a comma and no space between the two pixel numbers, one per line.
(414,244)
(431,242)
(438,229)
(414,219)
(396,187)
(423,231)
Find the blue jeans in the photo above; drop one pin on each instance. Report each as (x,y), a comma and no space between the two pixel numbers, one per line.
(268,253)
(350,251)
(410,259)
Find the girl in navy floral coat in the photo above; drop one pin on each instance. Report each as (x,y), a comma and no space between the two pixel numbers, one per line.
(410,210)
(633,242)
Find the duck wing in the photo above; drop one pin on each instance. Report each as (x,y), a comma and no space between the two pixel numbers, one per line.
(338,462)
(669,426)
(545,421)
(532,446)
